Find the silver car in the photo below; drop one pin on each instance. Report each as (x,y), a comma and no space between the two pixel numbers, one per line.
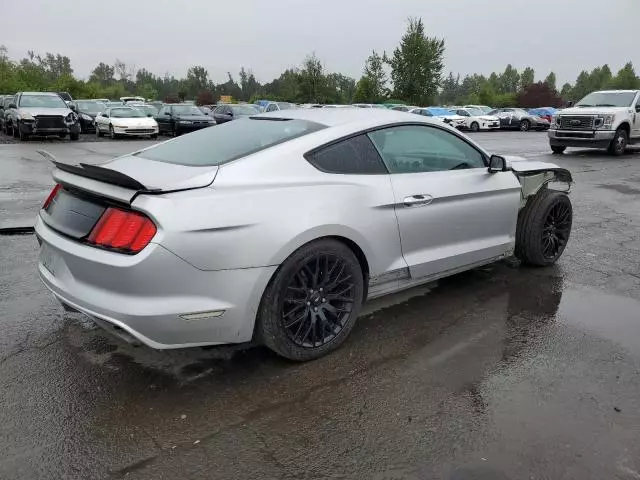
(278,227)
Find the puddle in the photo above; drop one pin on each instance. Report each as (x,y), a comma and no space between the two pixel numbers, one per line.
(614,317)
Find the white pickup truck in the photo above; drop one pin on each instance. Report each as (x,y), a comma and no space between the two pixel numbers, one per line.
(609,119)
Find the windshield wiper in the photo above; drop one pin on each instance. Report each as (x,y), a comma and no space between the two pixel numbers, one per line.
(584,105)
(605,105)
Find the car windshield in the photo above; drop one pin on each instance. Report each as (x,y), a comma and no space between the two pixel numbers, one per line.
(147,109)
(90,107)
(229,141)
(440,112)
(185,110)
(285,105)
(244,110)
(42,101)
(607,99)
(520,111)
(475,112)
(126,113)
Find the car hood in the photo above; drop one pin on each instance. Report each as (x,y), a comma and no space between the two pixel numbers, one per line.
(63,112)
(524,165)
(196,118)
(594,110)
(489,118)
(134,122)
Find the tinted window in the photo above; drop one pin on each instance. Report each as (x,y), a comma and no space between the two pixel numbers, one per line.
(272,108)
(228,141)
(411,149)
(355,155)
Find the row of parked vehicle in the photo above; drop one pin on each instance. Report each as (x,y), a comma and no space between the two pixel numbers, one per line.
(27,114)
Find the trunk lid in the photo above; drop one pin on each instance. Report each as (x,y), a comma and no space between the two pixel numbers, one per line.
(123,178)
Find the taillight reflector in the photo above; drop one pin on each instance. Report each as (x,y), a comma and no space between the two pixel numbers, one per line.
(122,230)
(52,195)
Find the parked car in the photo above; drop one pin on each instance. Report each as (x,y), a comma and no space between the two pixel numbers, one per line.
(424,112)
(148,109)
(545,112)
(606,119)
(87,111)
(278,227)
(475,120)
(125,121)
(41,114)
(205,109)
(519,119)
(178,118)
(66,96)
(5,101)
(276,106)
(126,100)
(446,116)
(227,112)
(483,108)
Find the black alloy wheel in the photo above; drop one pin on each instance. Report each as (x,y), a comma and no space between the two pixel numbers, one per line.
(556,230)
(525,125)
(619,143)
(318,301)
(475,127)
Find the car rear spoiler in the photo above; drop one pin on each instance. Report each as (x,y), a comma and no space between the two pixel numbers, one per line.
(98,173)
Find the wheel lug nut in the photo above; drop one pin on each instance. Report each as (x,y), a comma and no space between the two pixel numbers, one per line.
(315,309)
(320,288)
(308,303)
(324,300)
(311,290)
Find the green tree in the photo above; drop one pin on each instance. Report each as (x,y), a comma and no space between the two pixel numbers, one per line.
(626,78)
(312,80)
(509,80)
(565,91)
(551,80)
(374,71)
(365,91)
(102,74)
(197,80)
(450,91)
(527,77)
(416,65)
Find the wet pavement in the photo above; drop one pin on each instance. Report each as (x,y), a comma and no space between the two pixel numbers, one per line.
(504,372)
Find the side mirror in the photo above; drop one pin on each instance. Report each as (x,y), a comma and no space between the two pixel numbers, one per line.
(497,164)
(569,104)
(206,113)
(12,105)
(149,115)
(73,107)
(638,107)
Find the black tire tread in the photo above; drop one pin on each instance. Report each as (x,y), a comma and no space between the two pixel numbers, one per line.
(530,221)
(268,328)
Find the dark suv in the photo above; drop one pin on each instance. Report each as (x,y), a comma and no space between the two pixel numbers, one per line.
(5,101)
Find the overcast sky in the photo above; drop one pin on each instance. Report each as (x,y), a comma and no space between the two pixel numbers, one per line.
(267,36)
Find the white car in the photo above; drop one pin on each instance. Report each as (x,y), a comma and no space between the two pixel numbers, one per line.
(125,121)
(475,120)
(447,116)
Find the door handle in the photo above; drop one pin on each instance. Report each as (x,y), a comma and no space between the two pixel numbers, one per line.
(417,200)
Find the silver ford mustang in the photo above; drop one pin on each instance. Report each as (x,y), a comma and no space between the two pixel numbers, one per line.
(276,228)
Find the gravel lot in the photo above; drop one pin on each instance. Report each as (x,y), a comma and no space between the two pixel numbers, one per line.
(500,373)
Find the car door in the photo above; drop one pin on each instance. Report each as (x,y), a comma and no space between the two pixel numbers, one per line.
(452,213)
(273,107)
(161,119)
(635,129)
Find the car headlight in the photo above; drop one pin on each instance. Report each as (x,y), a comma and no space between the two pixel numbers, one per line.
(71,118)
(603,121)
(185,122)
(24,115)
(86,117)
(555,121)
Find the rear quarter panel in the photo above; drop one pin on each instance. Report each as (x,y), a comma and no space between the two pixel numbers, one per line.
(263,207)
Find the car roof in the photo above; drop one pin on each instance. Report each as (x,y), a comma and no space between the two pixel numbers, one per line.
(340,116)
(47,94)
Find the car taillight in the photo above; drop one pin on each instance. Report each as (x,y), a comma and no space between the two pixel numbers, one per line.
(122,230)
(51,196)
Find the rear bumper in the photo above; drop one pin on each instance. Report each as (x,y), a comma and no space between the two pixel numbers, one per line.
(146,294)
(575,138)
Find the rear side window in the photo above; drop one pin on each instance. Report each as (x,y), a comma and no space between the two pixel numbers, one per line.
(355,155)
(229,141)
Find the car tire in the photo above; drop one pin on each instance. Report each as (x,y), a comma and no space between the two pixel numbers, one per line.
(475,127)
(319,287)
(619,143)
(99,133)
(558,149)
(62,136)
(22,136)
(74,137)
(544,228)
(525,125)
(14,131)
(154,136)
(112,133)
